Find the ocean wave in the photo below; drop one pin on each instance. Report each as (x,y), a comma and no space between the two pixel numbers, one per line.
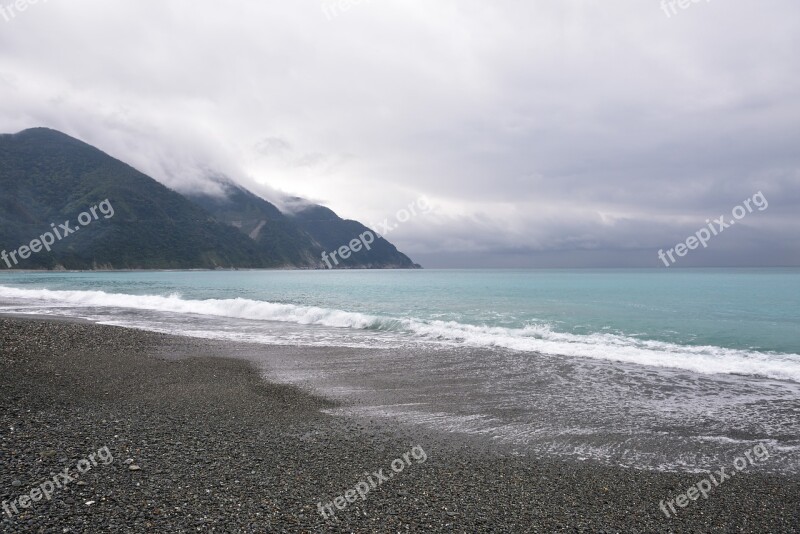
(536,338)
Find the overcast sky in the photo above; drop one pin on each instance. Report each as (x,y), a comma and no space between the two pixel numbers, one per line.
(543,133)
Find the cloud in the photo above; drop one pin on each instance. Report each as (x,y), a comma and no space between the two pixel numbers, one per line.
(546,132)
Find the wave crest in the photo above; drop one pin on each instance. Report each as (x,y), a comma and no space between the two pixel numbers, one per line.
(537,338)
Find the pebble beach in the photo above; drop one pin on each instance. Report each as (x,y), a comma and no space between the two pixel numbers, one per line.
(203,443)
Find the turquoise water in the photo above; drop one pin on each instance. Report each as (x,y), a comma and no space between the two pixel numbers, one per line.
(747,311)
(661,369)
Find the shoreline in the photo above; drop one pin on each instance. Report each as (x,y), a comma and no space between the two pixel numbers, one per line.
(220,448)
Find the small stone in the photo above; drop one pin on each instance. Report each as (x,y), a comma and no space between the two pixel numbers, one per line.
(89,503)
(16,483)
(134,467)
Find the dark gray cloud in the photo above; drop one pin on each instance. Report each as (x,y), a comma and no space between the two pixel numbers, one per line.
(544,133)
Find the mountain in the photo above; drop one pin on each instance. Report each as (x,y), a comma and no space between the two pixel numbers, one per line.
(47,178)
(263,223)
(303,236)
(331,232)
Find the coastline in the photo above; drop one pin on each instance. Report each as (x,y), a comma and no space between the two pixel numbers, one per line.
(220,448)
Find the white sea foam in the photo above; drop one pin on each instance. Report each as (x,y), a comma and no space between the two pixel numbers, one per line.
(539,338)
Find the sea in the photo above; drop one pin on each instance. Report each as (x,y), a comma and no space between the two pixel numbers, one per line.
(655,369)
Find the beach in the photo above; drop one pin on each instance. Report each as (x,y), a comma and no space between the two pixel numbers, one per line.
(201,442)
